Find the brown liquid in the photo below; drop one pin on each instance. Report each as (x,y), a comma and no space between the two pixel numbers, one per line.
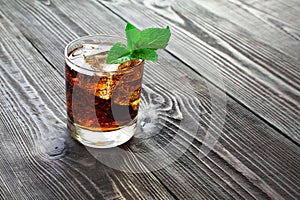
(104,103)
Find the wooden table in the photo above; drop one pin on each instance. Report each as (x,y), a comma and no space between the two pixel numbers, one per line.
(223,102)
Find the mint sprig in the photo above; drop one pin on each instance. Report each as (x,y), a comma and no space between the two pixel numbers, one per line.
(140,45)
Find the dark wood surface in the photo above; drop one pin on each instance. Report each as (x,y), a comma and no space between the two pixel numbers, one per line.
(231,71)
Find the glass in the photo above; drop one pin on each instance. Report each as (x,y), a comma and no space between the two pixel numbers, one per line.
(102,100)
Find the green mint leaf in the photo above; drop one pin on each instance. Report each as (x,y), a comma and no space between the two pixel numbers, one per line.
(140,45)
(118,51)
(145,54)
(133,36)
(154,38)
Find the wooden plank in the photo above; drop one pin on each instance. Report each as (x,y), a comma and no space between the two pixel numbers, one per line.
(243,157)
(248,161)
(270,18)
(34,138)
(264,78)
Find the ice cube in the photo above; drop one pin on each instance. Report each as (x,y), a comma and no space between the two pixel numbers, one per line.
(94,55)
(91,49)
(110,67)
(105,87)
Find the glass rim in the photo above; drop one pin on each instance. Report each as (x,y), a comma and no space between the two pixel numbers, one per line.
(97,70)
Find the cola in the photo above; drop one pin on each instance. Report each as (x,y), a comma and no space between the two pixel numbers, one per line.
(101,100)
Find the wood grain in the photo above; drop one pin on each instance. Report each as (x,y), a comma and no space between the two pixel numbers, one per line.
(34,138)
(255,72)
(271,18)
(251,160)
(247,169)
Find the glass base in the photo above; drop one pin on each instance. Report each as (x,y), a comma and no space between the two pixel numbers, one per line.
(99,139)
